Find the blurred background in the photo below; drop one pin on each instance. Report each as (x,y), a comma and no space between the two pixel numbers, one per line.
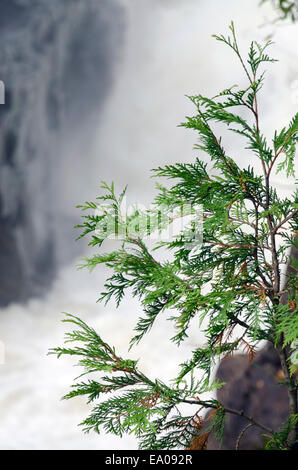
(95,90)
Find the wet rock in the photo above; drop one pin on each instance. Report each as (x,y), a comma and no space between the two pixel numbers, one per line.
(253,388)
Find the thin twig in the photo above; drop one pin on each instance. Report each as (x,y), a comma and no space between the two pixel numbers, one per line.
(279,152)
(241,435)
(290,216)
(231,411)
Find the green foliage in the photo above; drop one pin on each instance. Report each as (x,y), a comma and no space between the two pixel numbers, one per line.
(225,272)
(137,405)
(287,9)
(287,323)
(279,440)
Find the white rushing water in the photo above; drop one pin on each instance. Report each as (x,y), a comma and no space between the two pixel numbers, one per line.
(169,53)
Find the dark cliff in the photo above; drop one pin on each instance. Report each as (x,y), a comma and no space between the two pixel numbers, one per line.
(57,63)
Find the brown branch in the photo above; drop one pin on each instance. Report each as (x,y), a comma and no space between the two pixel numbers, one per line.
(241,435)
(256,114)
(257,264)
(231,411)
(279,152)
(236,245)
(290,216)
(275,264)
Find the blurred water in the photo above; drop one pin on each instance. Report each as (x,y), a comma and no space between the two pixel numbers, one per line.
(169,53)
(57,60)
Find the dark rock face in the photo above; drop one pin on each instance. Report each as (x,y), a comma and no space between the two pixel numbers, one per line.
(11,278)
(251,387)
(57,63)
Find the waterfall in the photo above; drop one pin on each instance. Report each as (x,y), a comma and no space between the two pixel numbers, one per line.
(58,60)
